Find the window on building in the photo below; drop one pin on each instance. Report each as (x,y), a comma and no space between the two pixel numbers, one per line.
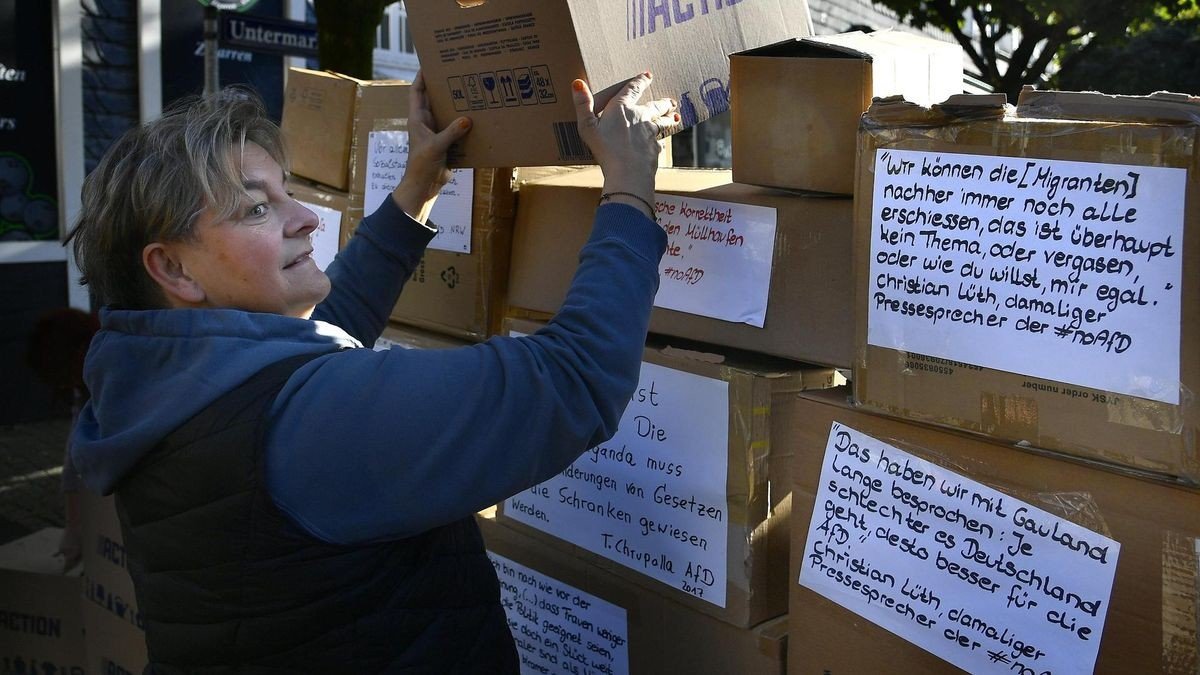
(393,34)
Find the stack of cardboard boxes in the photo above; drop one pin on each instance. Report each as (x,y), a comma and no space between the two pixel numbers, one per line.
(689,499)
(1012,486)
(1009,487)
(663,549)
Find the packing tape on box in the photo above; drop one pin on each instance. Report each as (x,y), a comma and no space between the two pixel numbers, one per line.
(1181,603)
(1017,416)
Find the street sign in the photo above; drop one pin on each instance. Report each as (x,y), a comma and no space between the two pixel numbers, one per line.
(230,5)
(274,36)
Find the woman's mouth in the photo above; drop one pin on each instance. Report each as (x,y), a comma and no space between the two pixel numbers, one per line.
(307,255)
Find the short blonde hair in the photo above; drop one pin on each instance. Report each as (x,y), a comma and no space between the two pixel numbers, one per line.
(154,183)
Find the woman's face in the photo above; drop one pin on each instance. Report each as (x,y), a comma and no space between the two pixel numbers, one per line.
(260,259)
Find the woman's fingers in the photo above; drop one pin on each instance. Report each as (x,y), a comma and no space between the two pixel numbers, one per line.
(631,93)
(662,107)
(451,135)
(418,102)
(581,94)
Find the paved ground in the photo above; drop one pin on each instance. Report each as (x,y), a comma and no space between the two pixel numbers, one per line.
(30,477)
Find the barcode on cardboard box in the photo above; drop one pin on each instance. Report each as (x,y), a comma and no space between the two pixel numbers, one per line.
(570,145)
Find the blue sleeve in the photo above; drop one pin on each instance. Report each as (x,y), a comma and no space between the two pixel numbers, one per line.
(369,446)
(367,276)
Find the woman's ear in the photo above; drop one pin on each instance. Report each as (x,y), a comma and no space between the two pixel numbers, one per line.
(166,268)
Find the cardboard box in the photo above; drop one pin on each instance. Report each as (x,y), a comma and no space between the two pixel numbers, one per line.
(41,628)
(318,124)
(324,117)
(398,336)
(113,646)
(382,105)
(697,429)
(332,207)
(463,294)
(115,629)
(656,635)
(826,83)
(808,299)
(509,64)
(1151,612)
(1077,329)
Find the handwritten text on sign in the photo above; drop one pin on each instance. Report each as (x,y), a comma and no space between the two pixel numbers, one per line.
(718,260)
(326,237)
(979,578)
(1068,271)
(653,498)
(387,157)
(558,629)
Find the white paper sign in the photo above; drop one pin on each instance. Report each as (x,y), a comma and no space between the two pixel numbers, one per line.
(653,498)
(325,237)
(387,157)
(1068,271)
(560,630)
(718,259)
(977,577)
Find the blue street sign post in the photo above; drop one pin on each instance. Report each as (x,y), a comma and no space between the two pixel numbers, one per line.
(212,9)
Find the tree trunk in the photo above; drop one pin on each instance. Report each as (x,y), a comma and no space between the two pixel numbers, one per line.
(346,35)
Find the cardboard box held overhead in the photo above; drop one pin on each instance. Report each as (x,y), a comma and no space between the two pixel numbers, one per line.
(1089,567)
(1035,279)
(688,499)
(509,64)
(732,249)
(825,84)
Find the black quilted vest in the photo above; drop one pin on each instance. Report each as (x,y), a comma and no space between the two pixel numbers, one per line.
(227,583)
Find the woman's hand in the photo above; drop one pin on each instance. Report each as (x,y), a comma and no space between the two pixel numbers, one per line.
(624,138)
(426,172)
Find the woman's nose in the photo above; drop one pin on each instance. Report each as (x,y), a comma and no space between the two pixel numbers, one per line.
(302,220)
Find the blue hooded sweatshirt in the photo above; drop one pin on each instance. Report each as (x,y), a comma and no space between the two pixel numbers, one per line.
(367,446)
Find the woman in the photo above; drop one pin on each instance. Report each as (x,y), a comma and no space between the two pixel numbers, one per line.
(291,501)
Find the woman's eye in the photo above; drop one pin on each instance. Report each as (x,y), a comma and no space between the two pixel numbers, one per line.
(259,209)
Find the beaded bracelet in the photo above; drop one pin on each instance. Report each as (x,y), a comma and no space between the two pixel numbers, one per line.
(650,207)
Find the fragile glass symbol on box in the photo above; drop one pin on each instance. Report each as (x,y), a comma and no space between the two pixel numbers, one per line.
(489,85)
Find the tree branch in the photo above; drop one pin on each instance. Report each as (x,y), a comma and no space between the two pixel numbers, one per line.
(945,12)
(987,45)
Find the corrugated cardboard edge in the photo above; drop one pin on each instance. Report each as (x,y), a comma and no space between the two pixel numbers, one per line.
(1157,108)
(1181,603)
